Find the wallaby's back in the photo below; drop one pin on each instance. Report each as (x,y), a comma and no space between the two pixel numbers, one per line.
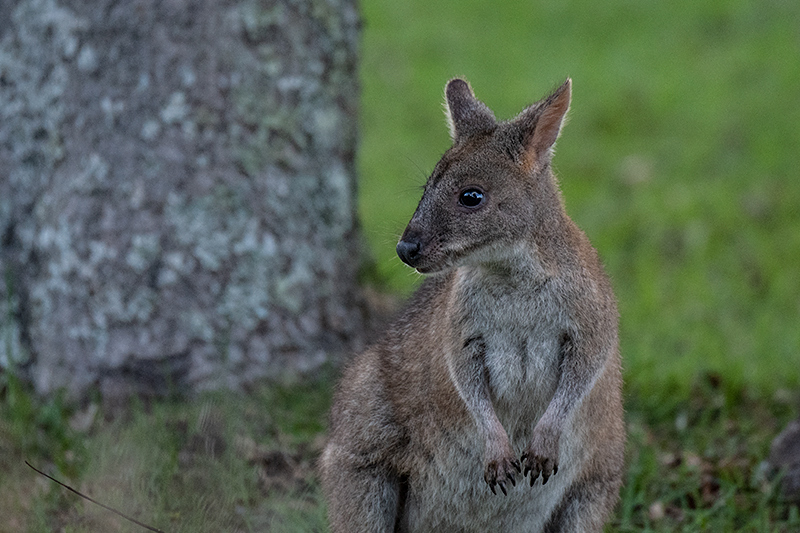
(503,367)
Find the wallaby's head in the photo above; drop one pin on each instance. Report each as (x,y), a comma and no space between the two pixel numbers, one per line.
(493,189)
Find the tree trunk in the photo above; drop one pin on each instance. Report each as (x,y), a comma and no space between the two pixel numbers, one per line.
(177,191)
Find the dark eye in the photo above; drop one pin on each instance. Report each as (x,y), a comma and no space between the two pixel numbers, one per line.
(471,198)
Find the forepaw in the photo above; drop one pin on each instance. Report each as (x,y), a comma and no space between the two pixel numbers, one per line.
(500,473)
(535,464)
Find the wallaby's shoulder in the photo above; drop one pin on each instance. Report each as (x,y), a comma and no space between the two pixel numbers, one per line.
(405,347)
(586,279)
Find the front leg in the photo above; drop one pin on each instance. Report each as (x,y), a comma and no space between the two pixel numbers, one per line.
(541,457)
(469,375)
(580,364)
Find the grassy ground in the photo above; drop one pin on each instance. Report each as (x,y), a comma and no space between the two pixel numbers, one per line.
(235,462)
(679,161)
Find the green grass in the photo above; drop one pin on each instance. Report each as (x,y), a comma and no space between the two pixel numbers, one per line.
(680,163)
(244,462)
(222,461)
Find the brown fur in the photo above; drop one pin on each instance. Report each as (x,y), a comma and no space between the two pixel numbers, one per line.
(503,368)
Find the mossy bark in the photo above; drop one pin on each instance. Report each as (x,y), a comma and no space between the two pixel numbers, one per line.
(177,191)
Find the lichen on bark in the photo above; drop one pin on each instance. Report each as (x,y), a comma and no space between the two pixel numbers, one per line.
(177,191)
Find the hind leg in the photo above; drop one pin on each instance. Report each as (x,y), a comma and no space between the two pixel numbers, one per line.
(361,498)
(585,507)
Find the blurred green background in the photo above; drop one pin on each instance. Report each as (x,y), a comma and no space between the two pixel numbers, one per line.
(679,160)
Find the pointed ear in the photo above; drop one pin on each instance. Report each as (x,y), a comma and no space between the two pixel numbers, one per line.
(541,124)
(466,115)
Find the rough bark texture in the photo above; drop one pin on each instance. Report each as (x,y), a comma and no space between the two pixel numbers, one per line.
(177,190)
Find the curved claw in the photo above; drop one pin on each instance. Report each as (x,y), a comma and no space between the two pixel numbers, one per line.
(500,473)
(536,466)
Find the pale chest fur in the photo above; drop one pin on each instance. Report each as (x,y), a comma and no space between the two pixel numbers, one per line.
(522,324)
(521,327)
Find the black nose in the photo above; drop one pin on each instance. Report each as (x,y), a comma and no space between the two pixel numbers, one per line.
(408,251)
